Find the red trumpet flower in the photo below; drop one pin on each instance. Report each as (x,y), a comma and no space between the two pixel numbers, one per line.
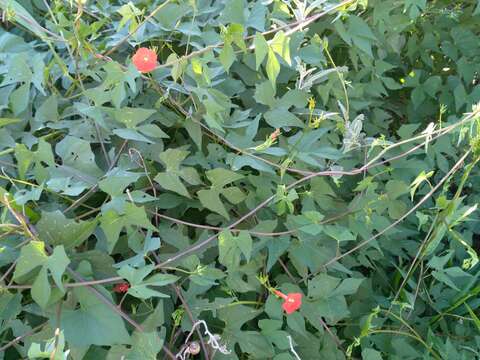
(121,288)
(292,301)
(145,60)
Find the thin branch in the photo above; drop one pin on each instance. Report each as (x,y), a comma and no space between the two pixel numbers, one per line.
(130,34)
(296,183)
(9,270)
(216,228)
(178,291)
(294,27)
(452,171)
(39,27)
(85,196)
(57,330)
(115,279)
(285,268)
(21,337)
(334,337)
(32,232)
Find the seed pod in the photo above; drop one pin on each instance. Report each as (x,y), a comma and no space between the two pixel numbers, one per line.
(194,348)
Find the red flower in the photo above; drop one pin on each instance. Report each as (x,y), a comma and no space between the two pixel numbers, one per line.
(121,288)
(145,60)
(292,301)
(275,134)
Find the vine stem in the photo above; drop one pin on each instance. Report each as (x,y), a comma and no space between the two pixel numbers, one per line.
(439,218)
(21,337)
(178,291)
(403,333)
(119,279)
(130,34)
(255,233)
(85,196)
(438,132)
(452,171)
(205,242)
(32,233)
(293,27)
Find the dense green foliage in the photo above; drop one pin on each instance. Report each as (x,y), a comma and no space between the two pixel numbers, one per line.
(317,147)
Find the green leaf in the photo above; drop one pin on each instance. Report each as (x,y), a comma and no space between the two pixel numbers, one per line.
(418,96)
(19,99)
(32,255)
(8,121)
(197,66)
(194,131)
(254,343)
(23,17)
(261,49)
(116,181)
(160,279)
(146,345)
(233,194)
(56,229)
(211,200)
(361,34)
(227,56)
(339,233)
(348,287)
(265,94)
(48,111)
(296,322)
(273,67)
(220,177)
(177,67)
(112,222)
(474,316)
(233,12)
(396,188)
(142,290)
(77,154)
(245,243)
(371,354)
(432,85)
(280,117)
(443,277)
(57,264)
(280,44)
(235,33)
(41,288)
(131,134)
(418,181)
(133,275)
(24,159)
(295,97)
(130,117)
(170,181)
(10,305)
(322,286)
(229,253)
(172,158)
(152,130)
(93,323)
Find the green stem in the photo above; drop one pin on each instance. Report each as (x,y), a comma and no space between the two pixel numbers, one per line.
(6,152)
(403,333)
(244,302)
(342,80)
